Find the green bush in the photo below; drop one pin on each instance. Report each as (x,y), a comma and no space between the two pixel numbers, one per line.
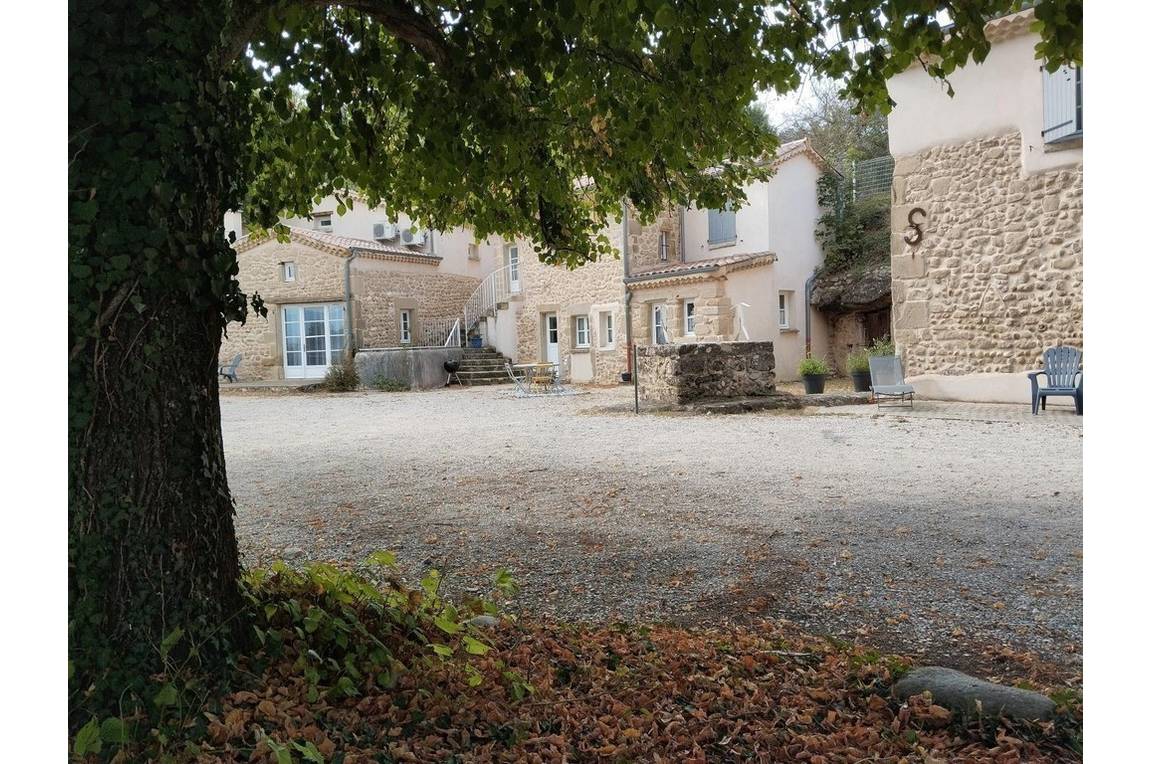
(852,232)
(810,366)
(343,377)
(882,346)
(389,385)
(858,360)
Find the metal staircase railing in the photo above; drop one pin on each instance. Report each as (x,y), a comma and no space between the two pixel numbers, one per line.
(495,289)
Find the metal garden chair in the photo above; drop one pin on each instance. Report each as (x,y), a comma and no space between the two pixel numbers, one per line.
(228,371)
(1062,376)
(888,380)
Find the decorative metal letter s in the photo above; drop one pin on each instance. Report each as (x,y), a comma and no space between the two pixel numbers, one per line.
(913,234)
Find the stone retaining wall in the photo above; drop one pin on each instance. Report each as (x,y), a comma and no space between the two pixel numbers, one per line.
(706,370)
(419,368)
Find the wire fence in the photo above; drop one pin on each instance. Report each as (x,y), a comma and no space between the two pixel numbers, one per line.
(872,177)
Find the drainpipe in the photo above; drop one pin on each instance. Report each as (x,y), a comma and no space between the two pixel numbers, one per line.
(631,346)
(349,339)
(808,314)
(680,232)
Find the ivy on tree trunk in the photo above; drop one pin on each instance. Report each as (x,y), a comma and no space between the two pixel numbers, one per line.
(154,151)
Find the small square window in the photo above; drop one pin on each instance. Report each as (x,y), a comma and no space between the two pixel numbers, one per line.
(607,330)
(288,271)
(690,317)
(322,221)
(583,339)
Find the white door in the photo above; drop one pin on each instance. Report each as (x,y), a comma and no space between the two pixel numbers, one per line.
(313,339)
(512,256)
(551,338)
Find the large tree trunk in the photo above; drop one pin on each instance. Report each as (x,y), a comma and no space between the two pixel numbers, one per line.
(154,148)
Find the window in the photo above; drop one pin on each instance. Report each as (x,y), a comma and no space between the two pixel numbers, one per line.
(659,332)
(322,221)
(473,251)
(664,246)
(405,327)
(512,260)
(583,339)
(288,271)
(785,319)
(689,317)
(1063,105)
(722,226)
(607,330)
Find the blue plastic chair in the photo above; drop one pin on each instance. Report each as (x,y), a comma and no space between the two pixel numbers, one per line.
(1062,376)
(228,371)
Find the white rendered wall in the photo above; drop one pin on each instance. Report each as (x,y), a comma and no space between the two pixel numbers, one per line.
(1002,94)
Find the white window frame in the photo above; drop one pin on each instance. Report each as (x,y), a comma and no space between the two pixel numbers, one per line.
(690,318)
(288,271)
(659,324)
(512,259)
(582,333)
(406,326)
(784,309)
(1063,110)
(663,252)
(319,219)
(607,329)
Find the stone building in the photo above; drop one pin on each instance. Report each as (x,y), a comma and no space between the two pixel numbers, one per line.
(692,275)
(348,279)
(993,178)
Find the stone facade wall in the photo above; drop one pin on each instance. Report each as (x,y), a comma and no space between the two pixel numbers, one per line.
(380,290)
(713,311)
(673,374)
(381,293)
(645,241)
(998,276)
(588,290)
(319,278)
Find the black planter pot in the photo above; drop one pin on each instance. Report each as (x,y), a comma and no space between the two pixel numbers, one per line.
(813,383)
(861,381)
(625,376)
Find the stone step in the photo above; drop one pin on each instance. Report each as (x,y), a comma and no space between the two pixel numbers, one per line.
(475,382)
(481,365)
(473,375)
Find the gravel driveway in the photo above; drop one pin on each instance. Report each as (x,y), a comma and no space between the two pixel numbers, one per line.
(938,532)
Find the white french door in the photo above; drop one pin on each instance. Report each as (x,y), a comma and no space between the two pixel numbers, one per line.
(551,338)
(313,339)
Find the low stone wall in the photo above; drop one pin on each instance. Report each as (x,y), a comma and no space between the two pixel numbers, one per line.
(705,370)
(419,368)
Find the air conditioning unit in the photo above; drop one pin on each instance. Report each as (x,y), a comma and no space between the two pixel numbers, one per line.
(384,231)
(408,236)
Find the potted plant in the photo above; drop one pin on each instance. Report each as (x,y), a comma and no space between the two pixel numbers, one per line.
(858,370)
(882,346)
(813,371)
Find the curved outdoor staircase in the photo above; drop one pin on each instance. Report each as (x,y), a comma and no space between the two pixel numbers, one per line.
(483,366)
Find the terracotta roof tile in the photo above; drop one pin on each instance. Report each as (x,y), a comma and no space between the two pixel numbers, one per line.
(692,267)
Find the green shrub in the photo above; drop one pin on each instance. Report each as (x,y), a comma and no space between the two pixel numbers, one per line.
(810,366)
(882,346)
(343,377)
(858,360)
(389,385)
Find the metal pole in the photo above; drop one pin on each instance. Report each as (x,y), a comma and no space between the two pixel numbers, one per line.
(635,381)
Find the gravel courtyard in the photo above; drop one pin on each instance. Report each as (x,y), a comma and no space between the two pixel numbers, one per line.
(944,531)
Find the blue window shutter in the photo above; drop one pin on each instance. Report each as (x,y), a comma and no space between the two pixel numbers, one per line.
(721,226)
(1062,93)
